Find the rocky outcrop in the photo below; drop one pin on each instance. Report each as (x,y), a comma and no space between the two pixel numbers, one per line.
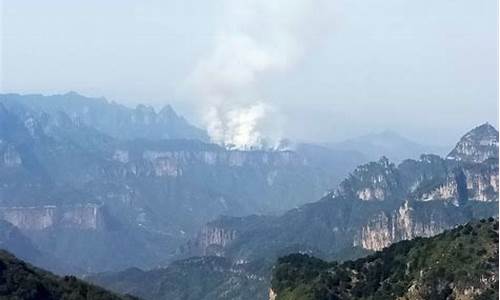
(483,181)
(469,182)
(477,145)
(86,216)
(212,239)
(411,220)
(272,294)
(222,157)
(11,158)
(375,181)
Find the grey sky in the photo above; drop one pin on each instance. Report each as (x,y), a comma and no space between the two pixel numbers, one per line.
(427,69)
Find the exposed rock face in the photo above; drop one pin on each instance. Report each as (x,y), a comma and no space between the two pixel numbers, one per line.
(467,182)
(212,239)
(375,181)
(172,163)
(377,234)
(446,191)
(11,157)
(39,218)
(411,220)
(272,295)
(477,145)
(217,236)
(482,183)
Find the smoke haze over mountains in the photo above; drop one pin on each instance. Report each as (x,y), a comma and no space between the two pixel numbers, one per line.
(251,71)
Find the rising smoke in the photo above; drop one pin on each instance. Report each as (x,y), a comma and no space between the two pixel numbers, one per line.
(253,39)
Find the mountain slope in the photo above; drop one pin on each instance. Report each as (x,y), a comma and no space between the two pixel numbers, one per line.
(19,280)
(458,264)
(198,278)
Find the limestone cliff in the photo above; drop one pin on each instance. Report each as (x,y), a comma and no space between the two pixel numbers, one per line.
(409,221)
(85,216)
(212,239)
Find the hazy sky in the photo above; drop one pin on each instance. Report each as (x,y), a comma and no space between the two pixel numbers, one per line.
(309,70)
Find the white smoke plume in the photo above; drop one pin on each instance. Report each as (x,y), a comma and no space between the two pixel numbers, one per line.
(253,38)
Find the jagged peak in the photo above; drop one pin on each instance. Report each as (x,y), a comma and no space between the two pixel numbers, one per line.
(477,145)
(485,129)
(374,180)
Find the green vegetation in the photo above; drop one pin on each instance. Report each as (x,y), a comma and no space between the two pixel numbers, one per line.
(196,278)
(19,280)
(448,265)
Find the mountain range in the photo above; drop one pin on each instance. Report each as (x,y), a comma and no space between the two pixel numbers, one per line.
(377,205)
(83,177)
(140,202)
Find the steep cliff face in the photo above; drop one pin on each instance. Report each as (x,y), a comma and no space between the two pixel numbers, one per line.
(477,145)
(212,239)
(482,180)
(172,163)
(410,220)
(85,217)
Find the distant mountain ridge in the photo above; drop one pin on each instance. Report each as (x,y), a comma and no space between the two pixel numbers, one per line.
(387,143)
(110,118)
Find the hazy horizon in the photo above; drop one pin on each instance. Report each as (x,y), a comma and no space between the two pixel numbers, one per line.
(319,72)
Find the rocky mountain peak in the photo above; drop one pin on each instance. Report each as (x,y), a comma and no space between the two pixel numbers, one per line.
(477,145)
(372,181)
